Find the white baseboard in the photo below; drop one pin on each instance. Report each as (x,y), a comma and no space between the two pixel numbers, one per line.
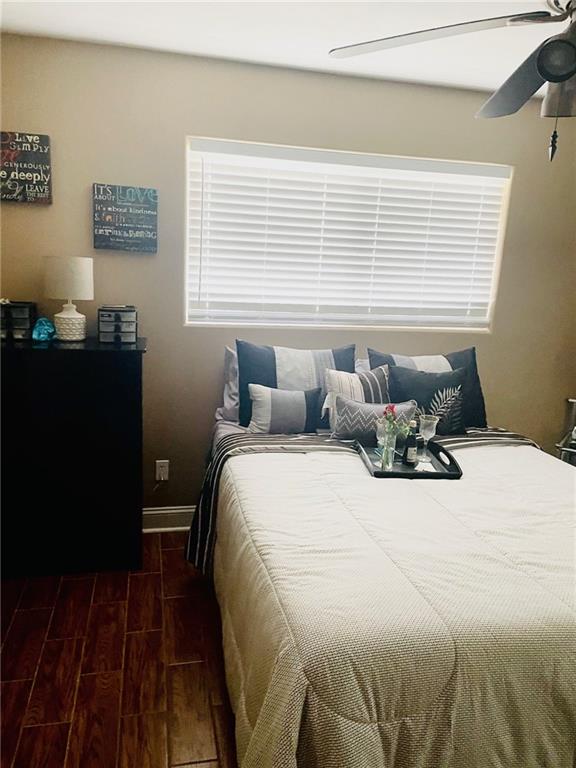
(167,518)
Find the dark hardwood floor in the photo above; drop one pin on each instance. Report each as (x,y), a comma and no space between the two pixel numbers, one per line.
(115,670)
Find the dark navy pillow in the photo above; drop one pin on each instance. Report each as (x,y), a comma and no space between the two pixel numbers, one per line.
(473,407)
(285,368)
(439,394)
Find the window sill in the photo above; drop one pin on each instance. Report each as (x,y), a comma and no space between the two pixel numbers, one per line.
(336,327)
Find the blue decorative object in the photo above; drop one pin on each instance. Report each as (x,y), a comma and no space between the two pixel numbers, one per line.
(43,329)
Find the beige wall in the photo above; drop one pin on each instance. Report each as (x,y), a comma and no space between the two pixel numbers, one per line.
(121,115)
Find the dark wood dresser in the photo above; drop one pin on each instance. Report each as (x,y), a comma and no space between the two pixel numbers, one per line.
(71,456)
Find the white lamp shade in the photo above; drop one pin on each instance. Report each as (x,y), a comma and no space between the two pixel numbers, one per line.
(70,278)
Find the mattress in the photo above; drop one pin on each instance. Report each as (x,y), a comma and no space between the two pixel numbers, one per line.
(396,623)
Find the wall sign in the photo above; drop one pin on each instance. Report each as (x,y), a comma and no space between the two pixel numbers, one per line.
(25,170)
(125,218)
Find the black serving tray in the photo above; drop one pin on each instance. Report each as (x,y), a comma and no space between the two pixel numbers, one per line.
(443,466)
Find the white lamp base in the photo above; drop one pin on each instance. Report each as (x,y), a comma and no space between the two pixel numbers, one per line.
(70,324)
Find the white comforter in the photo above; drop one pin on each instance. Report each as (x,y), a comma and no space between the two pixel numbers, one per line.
(406,624)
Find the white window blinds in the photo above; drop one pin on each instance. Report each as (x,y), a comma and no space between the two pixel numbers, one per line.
(286,236)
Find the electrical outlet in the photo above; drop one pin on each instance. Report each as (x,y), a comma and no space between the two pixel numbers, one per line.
(162,470)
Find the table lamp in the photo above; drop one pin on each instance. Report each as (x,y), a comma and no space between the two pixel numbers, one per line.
(69,278)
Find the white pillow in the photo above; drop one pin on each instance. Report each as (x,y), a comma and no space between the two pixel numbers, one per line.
(228,411)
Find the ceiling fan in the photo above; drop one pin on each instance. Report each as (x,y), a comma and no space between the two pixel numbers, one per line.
(553,61)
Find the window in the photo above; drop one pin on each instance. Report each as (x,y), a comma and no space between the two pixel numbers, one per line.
(286,236)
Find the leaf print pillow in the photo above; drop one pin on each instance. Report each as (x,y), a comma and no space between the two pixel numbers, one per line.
(439,394)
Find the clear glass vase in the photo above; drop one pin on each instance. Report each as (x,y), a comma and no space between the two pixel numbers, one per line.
(386,434)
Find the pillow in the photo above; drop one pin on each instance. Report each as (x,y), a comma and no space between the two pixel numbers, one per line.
(362,365)
(229,409)
(473,407)
(283,411)
(439,394)
(369,387)
(284,368)
(357,421)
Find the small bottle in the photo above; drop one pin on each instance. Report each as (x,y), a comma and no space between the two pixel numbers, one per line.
(410,456)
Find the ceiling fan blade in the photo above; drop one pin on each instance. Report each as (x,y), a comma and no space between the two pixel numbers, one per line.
(516,91)
(384,43)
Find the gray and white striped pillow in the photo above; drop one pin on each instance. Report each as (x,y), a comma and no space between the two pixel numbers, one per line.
(283,411)
(367,387)
(285,368)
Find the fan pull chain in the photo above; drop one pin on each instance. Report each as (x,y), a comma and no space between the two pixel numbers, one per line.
(553,141)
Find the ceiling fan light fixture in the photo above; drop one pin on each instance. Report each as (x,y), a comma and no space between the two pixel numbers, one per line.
(560,99)
(556,61)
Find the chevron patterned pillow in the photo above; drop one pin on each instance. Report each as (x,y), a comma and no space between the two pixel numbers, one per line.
(357,421)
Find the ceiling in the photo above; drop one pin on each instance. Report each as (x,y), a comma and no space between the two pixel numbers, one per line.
(299,34)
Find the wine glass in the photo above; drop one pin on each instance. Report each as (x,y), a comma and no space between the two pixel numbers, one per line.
(427,430)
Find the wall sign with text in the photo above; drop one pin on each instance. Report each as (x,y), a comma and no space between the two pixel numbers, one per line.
(125,218)
(25,170)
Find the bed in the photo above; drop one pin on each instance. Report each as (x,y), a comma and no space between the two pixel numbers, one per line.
(397,623)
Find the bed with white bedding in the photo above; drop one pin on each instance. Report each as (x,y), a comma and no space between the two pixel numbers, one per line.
(395,623)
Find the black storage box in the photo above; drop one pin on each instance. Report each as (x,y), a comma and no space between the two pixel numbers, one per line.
(18,318)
